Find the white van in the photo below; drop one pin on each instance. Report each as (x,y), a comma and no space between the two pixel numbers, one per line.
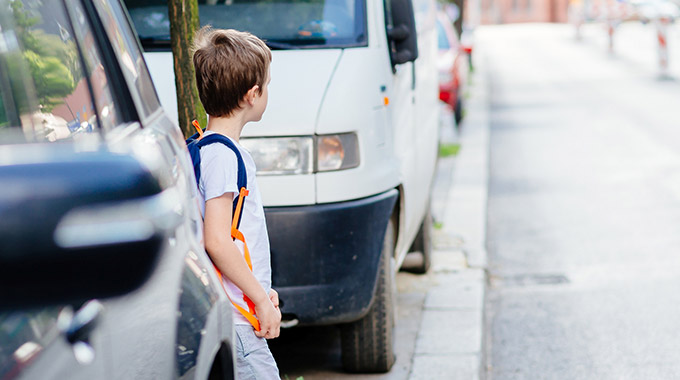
(346,150)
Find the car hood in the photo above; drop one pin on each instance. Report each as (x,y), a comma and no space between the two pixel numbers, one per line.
(299,81)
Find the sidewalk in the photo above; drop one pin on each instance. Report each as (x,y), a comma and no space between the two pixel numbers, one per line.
(449,343)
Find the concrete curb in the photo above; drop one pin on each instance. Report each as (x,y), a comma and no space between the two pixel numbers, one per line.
(449,343)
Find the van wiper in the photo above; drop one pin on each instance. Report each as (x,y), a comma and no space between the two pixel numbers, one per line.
(295,43)
(280,45)
(155,43)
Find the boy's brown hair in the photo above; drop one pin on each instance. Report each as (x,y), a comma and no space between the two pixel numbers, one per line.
(228,63)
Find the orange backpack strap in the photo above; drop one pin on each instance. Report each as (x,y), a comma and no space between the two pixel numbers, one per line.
(248,314)
(198,128)
(238,235)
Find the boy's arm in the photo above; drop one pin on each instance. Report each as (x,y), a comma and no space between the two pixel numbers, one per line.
(227,257)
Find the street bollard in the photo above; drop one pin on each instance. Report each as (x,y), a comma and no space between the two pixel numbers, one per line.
(576,13)
(610,18)
(662,38)
(610,35)
(616,13)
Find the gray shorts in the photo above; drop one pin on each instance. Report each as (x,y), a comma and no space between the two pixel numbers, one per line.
(253,358)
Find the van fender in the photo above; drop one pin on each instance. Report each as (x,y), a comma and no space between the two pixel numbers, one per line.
(401,246)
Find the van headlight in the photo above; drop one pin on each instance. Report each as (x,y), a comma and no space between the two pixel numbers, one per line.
(303,155)
(281,155)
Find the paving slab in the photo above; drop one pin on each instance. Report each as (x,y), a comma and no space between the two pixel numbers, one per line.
(450,332)
(462,295)
(433,367)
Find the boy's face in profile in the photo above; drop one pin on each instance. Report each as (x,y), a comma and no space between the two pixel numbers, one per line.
(261,100)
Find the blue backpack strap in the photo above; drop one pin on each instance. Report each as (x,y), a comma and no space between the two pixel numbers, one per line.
(195,145)
(194,152)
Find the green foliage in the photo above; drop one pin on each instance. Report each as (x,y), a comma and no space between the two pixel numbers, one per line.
(23,21)
(447,150)
(16,64)
(21,18)
(53,80)
(52,46)
(4,122)
(297,378)
(52,63)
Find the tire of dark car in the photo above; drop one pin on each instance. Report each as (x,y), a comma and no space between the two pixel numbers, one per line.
(458,111)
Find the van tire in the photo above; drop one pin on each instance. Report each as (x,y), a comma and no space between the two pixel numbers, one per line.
(458,111)
(368,344)
(423,244)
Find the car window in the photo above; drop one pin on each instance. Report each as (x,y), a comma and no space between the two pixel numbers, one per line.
(23,335)
(45,90)
(129,55)
(441,34)
(109,113)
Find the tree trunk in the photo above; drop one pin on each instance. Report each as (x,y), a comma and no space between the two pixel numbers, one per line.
(458,24)
(183,16)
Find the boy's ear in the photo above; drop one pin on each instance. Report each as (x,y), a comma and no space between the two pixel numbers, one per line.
(252,94)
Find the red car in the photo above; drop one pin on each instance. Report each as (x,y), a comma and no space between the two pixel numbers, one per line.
(453,66)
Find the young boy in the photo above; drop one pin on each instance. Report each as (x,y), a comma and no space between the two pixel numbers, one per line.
(232,75)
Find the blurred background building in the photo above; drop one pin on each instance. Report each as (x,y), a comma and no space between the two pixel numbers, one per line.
(511,11)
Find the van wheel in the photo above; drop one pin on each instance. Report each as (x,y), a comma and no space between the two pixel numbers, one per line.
(368,344)
(458,111)
(423,244)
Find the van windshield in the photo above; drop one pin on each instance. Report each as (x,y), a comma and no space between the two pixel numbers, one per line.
(282,24)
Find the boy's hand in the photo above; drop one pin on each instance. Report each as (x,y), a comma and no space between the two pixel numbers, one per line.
(270,319)
(274,297)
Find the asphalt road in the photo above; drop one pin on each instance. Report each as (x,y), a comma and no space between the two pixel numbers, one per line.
(584,205)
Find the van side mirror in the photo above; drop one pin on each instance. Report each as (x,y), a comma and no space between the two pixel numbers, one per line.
(402,35)
(76,226)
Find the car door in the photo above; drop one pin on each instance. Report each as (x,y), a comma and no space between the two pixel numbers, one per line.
(71,72)
(181,318)
(48,100)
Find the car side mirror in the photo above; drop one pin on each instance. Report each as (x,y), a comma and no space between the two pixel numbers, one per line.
(403,36)
(77,226)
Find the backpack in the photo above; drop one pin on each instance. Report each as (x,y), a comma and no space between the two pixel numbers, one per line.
(197,141)
(194,144)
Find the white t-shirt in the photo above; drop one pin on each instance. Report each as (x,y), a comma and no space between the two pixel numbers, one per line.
(219,167)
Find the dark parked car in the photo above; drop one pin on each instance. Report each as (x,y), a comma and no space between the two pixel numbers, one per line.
(103,274)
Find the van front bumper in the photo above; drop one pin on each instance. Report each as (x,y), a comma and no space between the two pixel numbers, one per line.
(325,257)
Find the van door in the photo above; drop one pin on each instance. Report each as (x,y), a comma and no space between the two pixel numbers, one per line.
(413,108)
(426,123)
